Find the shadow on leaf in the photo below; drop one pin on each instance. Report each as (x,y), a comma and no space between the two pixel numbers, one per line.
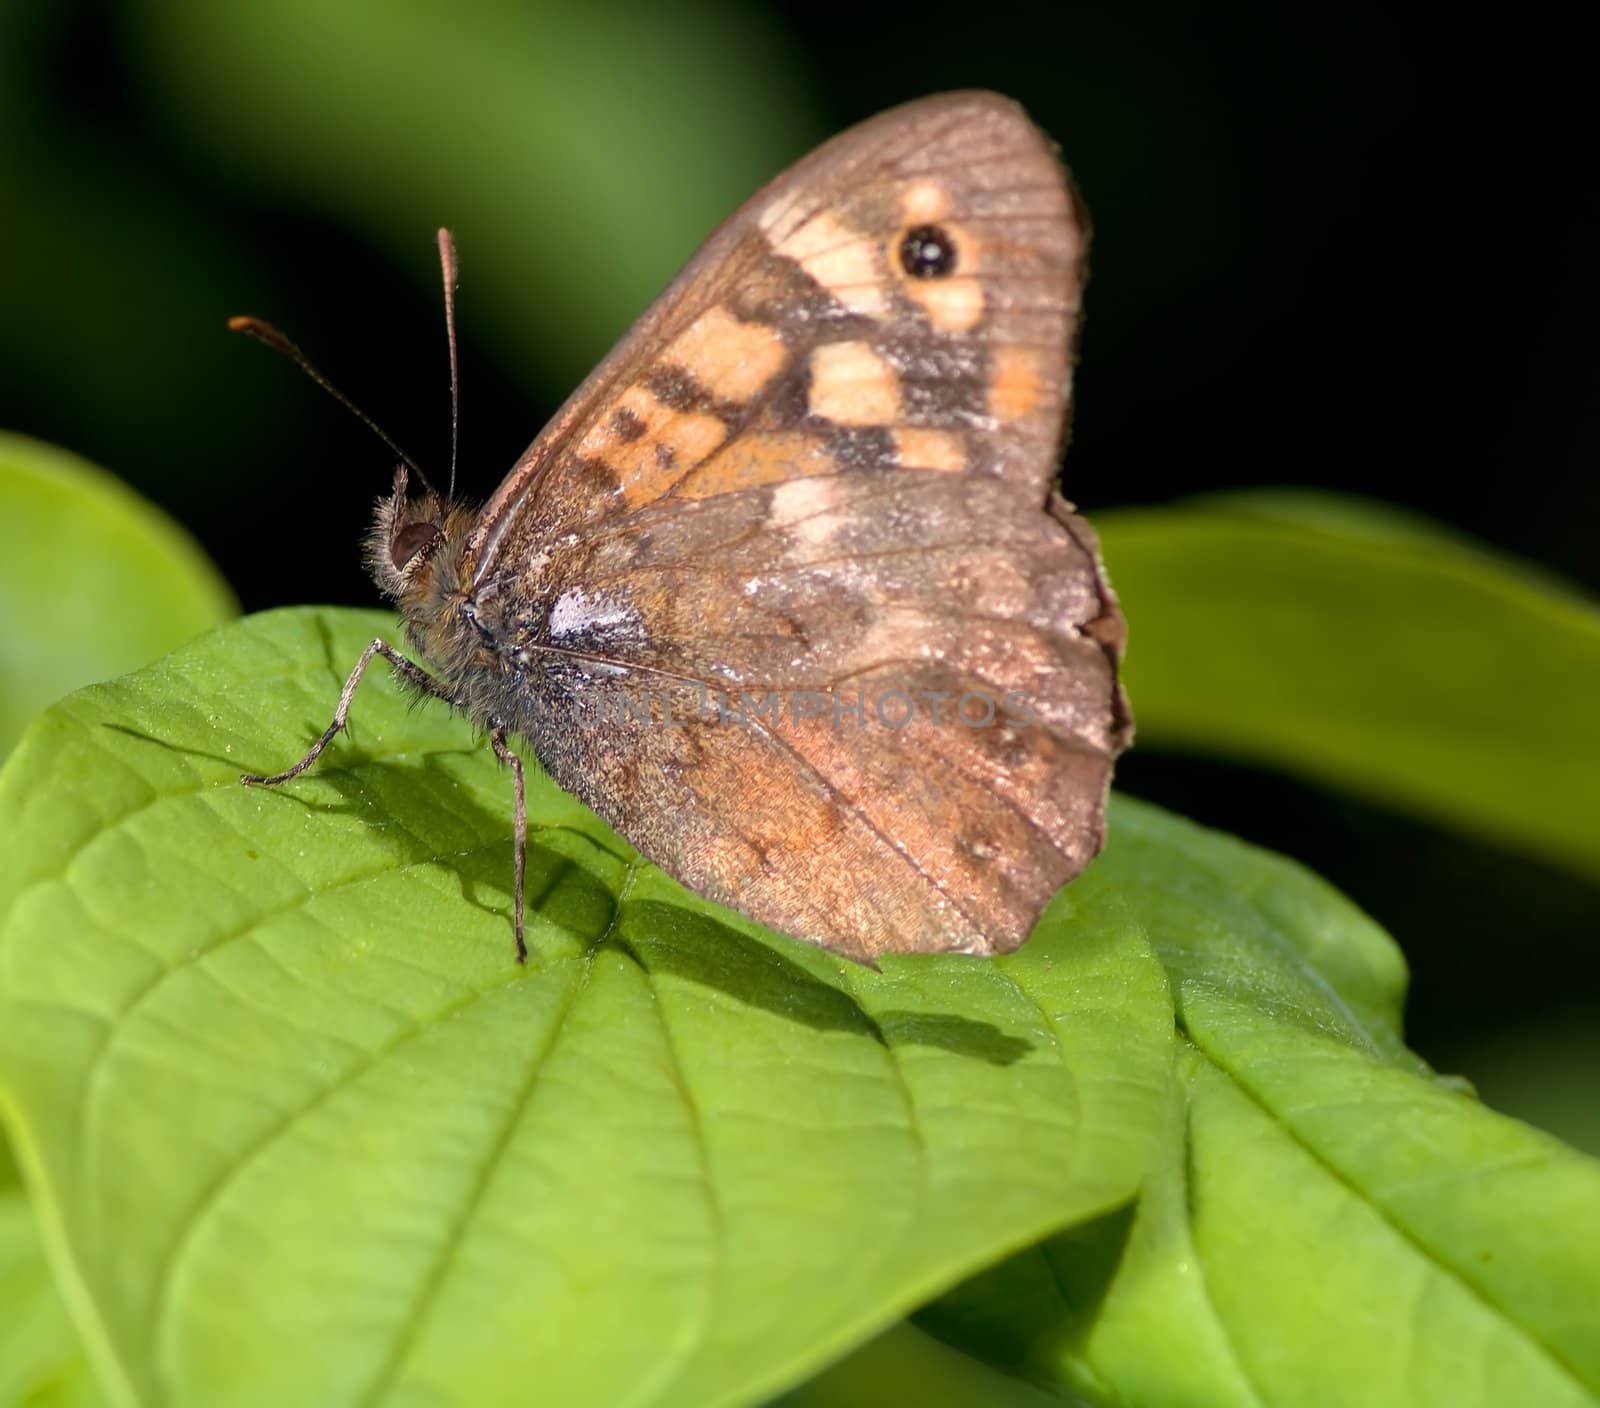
(1034,1308)
(683,943)
(428,818)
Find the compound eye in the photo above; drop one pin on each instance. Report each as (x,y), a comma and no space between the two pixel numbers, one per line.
(411,541)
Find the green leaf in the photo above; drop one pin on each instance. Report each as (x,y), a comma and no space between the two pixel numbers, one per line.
(1327,1221)
(576,184)
(41,1362)
(94,581)
(1356,645)
(303,1132)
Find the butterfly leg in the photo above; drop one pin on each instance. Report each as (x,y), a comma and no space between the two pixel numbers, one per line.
(497,741)
(411,674)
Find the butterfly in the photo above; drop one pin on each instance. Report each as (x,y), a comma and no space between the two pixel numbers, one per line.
(785,592)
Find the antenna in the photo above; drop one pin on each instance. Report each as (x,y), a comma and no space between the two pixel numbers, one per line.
(447,266)
(268,335)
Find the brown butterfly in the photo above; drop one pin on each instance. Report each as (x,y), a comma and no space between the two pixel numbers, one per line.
(784,591)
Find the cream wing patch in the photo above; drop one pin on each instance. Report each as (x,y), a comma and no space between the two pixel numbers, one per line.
(805,506)
(839,259)
(930,449)
(733,359)
(852,385)
(923,202)
(952,305)
(1016,384)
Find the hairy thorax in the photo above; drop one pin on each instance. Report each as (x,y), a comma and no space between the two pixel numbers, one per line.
(511,647)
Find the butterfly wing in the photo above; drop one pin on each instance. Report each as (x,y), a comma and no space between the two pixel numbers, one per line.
(796,342)
(819,469)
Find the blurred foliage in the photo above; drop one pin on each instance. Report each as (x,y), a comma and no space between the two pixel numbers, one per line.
(94,581)
(905,1365)
(1329,637)
(569,225)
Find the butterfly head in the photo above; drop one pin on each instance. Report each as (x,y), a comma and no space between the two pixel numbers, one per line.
(409,537)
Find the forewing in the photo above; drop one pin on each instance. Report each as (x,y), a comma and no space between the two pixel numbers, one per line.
(797,342)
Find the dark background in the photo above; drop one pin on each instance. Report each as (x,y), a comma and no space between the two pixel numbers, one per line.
(1349,247)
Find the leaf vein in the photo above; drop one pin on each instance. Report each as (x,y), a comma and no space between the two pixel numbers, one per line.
(407,1334)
